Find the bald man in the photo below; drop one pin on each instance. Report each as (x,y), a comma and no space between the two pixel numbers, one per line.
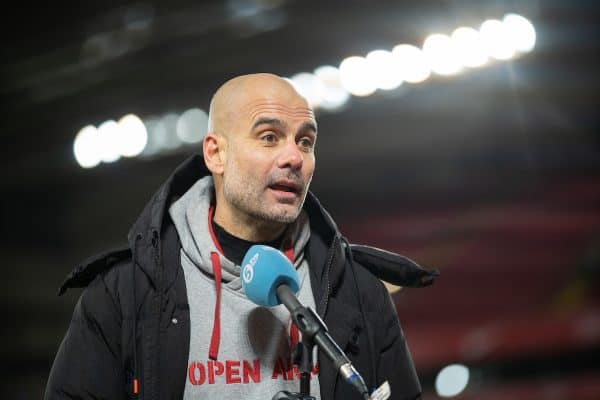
(166,316)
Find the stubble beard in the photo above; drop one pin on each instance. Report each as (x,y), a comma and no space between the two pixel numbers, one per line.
(246,194)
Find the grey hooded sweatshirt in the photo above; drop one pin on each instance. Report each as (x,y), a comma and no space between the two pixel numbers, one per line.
(250,345)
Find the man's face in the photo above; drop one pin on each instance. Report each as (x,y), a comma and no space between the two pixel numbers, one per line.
(270,158)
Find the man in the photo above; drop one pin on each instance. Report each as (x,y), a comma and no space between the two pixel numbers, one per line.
(166,317)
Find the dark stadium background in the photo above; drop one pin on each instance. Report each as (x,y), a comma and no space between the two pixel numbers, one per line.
(491,176)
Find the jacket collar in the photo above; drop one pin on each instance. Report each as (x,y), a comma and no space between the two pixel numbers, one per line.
(149,226)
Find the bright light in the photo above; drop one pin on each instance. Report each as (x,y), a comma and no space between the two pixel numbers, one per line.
(441,55)
(356,77)
(496,40)
(170,140)
(133,135)
(385,69)
(157,133)
(328,87)
(520,31)
(85,147)
(192,125)
(334,95)
(109,135)
(452,380)
(469,47)
(413,64)
(310,87)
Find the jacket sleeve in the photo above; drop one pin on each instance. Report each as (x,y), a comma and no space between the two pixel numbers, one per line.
(395,361)
(88,361)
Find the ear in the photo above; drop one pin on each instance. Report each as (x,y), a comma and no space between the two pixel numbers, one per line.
(213,147)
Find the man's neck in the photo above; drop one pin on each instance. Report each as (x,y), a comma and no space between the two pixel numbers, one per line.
(235,248)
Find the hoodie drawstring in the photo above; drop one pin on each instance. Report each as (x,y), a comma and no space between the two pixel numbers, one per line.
(213,351)
(294,334)
(215,339)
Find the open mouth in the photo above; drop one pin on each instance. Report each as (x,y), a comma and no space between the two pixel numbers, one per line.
(290,187)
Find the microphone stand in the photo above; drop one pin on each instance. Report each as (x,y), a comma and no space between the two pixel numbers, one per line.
(302,357)
(305,320)
(314,332)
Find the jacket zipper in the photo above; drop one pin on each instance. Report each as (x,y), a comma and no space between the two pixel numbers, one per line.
(329,264)
(157,258)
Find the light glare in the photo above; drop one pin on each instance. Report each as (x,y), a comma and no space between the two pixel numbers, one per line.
(109,148)
(170,140)
(133,135)
(356,77)
(192,125)
(452,380)
(85,147)
(334,95)
(157,133)
(521,32)
(469,47)
(496,40)
(310,87)
(413,64)
(328,87)
(385,69)
(441,55)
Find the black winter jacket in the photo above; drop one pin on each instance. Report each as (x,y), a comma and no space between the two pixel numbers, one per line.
(141,289)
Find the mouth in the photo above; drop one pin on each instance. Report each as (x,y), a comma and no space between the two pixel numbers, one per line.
(286,187)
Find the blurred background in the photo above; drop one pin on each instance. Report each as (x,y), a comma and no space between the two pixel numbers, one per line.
(474,150)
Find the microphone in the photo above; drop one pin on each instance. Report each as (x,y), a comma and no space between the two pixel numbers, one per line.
(270,279)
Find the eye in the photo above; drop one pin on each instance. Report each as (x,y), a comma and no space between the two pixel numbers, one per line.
(306,143)
(269,138)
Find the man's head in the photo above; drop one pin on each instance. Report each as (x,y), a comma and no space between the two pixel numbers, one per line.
(260,150)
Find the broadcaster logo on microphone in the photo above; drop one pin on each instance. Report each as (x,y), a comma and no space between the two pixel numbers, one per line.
(248,270)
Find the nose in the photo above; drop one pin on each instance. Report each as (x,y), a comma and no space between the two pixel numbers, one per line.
(290,157)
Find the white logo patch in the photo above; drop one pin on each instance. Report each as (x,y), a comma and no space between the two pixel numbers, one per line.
(248,270)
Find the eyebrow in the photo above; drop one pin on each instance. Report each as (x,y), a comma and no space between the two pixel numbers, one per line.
(269,121)
(306,126)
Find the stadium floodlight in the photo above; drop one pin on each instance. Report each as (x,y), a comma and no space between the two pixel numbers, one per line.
(356,77)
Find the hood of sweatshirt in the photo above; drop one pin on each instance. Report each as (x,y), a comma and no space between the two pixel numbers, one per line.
(191,216)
